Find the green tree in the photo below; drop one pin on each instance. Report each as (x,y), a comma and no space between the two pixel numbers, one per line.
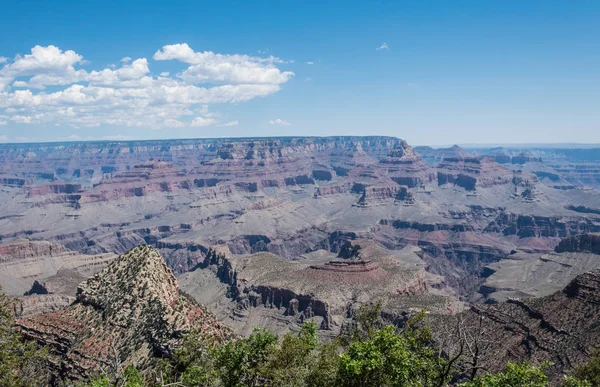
(243,362)
(22,363)
(294,358)
(324,373)
(515,375)
(131,377)
(590,370)
(391,357)
(570,381)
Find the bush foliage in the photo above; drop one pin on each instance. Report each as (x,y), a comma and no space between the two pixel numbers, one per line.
(370,354)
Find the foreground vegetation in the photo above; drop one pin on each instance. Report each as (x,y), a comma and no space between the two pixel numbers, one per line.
(370,354)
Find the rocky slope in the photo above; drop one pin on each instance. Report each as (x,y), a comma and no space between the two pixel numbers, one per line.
(24,262)
(537,275)
(561,328)
(129,313)
(245,290)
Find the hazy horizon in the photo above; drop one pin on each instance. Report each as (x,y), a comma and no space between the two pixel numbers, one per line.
(540,145)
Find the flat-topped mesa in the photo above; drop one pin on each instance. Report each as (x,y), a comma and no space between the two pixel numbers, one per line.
(132,308)
(272,149)
(472,172)
(348,266)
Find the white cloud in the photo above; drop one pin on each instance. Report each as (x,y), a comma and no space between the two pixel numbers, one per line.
(3,59)
(202,121)
(279,121)
(310,63)
(130,95)
(173,123)
(230,123)
(208,67)
(383,46)
(126,60)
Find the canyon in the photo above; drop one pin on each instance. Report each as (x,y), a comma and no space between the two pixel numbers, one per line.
(439,227)
(144,241)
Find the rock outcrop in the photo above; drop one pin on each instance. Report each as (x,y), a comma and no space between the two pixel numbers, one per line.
(23,262)
(470,173)
(585,243)
(319,287)
(561,328)
(132,311)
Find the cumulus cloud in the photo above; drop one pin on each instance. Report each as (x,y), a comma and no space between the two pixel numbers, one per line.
(208,67)
(310,63)
(129,95)
(3,59)
(202,121)
(230,123)
(383,46)
(279,121)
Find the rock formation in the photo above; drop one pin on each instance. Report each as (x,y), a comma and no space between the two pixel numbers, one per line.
(580,243)
(24,262)
(264,286)
(129,313)
(560,328)
(292,196)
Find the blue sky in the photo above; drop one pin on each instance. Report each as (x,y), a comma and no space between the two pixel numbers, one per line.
(449,72)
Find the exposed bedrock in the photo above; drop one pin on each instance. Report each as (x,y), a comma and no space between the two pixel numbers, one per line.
(584,209)
(379,194)
(527,226)
(302,306)
(560,328)
(55,268)
(55,188)
(321,289)
(34,304)
(132,309)
(471,173)
(11,181)
(434,156)
(424,227)
(589,243)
